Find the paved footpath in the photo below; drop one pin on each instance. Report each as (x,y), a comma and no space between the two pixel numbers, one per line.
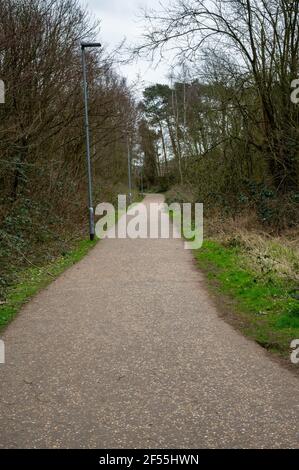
(126,350)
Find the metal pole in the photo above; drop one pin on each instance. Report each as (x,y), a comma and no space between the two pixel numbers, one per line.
(89,177)
(141,181)
(129,170)
(88,161)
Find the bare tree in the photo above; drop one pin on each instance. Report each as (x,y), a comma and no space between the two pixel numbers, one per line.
(262,38)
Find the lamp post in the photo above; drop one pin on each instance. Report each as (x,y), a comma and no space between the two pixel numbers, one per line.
(129,169)
(84,45)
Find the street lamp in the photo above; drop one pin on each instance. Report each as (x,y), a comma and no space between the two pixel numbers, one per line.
(84,45)
(129,168)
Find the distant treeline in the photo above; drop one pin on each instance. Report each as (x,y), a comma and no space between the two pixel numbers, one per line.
(227,127)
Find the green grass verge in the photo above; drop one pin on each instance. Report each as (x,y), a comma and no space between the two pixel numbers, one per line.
(262,304)
(31,280)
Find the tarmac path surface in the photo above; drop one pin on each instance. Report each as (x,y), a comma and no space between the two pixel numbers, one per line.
(126,350)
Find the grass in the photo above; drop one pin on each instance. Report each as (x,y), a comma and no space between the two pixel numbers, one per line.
(254,272)
(31,280)
(261,299)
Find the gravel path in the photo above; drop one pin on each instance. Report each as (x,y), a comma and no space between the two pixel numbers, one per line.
(126,349)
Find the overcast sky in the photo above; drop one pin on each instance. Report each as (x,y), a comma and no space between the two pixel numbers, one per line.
(119,20)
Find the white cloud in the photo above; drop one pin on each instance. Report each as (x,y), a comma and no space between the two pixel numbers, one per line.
(119,20)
